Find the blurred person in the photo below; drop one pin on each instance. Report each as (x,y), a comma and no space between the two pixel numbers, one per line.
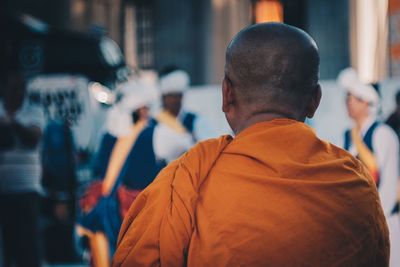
(59,184)
(275,194)
(128,160)
(394,119)
(173,84)
(371,140)
(21,127)
(394,122)
(375,144)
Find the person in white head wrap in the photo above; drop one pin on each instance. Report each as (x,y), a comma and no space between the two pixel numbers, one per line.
(128,160)
(142,155)
(376,145)
(173,85)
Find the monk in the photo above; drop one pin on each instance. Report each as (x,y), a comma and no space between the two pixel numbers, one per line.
(275,194)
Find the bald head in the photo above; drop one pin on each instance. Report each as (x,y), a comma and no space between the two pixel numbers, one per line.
(272,66)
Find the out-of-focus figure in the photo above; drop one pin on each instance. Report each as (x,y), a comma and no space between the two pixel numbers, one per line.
(21,127)
(173,84)
(376,145)
(129,158)
(59,192)
(158,143)
(394,118)
(394,122)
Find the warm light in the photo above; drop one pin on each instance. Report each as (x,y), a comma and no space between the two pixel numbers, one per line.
(78,8)
(268,11)
(218,4)
(101,93)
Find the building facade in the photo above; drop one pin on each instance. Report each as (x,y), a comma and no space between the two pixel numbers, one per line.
(193,34)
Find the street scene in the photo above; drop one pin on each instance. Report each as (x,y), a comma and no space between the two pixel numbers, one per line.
(199,133)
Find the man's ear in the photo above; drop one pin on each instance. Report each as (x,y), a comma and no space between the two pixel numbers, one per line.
(227,95)
(314,102)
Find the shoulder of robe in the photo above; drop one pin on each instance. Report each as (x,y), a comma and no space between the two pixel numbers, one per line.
(194,164)
(206,150)
(183,175)
(203,155)
(197,161)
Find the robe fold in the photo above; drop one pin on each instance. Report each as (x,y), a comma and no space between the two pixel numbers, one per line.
(275,195)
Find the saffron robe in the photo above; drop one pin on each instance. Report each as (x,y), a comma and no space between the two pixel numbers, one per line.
(275,195)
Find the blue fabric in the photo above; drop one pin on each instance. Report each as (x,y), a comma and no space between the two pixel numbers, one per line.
(104,217)
(367,138)
(141,166)
(369,134)
(139,170)
(103,155)
(347,139)
(188,121)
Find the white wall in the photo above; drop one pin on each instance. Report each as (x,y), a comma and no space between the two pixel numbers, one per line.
(330,121)
(207,101)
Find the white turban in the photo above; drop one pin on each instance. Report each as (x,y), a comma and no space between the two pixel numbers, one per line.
(135,95)
(118,122)
(349,80)
(175,82)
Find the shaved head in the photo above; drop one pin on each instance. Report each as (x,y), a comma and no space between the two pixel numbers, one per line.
(272,67)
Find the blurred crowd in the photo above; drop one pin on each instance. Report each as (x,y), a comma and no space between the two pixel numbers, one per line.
(74,220)
(86,127)
(49,214)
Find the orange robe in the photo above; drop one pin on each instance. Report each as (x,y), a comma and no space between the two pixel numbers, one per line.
(275,195)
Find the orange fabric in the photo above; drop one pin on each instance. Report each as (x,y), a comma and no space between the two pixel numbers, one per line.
(275,195)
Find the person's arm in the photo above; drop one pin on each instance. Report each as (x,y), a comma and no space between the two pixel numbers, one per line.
(386,148)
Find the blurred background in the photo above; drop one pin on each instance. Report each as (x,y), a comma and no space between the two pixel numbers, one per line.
(74,54)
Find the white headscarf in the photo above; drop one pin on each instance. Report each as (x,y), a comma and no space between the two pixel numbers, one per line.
(348,79)
(175,82)
(136,94)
